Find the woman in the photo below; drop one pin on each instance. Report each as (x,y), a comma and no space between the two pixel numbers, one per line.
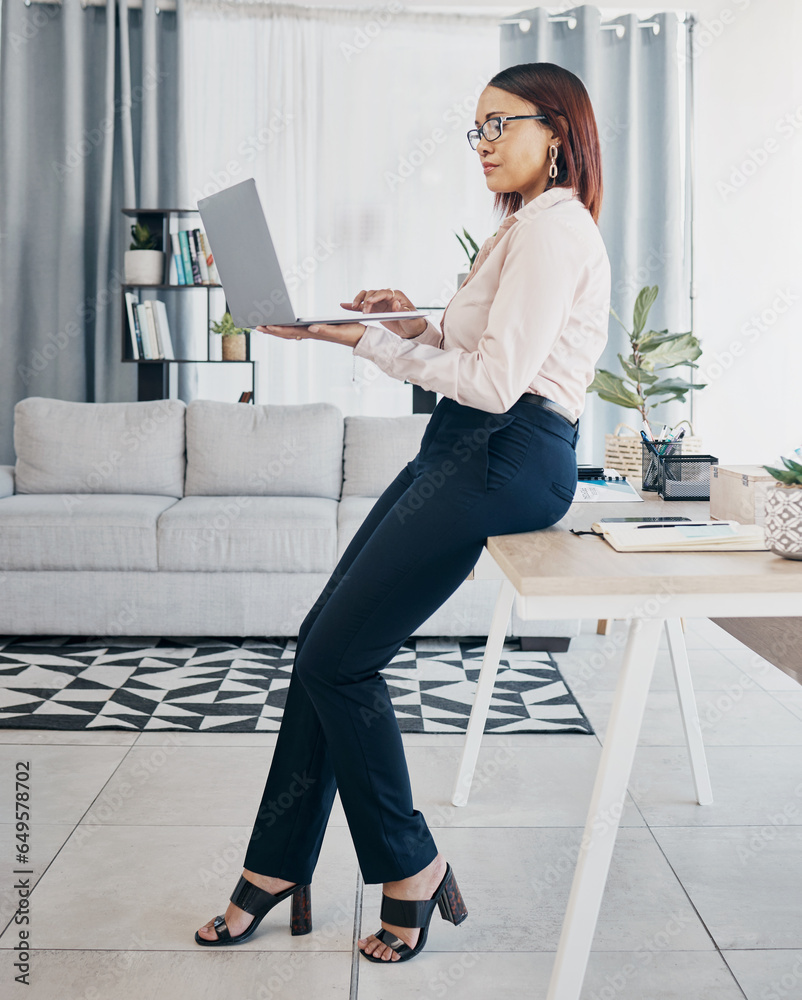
(513,356)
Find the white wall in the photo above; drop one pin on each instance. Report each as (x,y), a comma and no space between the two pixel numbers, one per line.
(748,211)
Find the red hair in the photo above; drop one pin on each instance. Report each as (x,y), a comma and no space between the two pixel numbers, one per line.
(556,91)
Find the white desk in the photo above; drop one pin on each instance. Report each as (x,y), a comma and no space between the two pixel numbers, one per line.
(554,574)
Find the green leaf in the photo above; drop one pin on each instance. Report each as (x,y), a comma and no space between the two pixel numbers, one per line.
(643,304)
(671,385)
(470,239)
(783,475)
(613,389)
(675,352)
(635,373)
(655,337)
(792,465)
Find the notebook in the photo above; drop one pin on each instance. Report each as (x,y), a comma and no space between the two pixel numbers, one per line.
(708,536)
(606,488)
(256,293)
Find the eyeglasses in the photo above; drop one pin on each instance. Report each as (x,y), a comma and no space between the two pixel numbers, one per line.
(493,127)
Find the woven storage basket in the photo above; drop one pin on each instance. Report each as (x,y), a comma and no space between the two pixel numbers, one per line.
(624,452)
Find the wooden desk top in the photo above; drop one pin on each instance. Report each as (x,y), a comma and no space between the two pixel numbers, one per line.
(553,561)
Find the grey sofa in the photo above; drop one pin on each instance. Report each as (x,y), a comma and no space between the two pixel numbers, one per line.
(164,519)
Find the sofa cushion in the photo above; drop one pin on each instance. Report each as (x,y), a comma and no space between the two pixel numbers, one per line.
(85,448)
(238,450)
(59,532)
(6,480)
(376,450)
(351,512)
(267,534)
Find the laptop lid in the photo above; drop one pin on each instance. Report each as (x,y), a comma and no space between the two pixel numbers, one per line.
(246,259)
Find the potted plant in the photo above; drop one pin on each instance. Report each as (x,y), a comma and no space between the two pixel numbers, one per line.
(233,338)
(143,264)
(783,522)
(471,254)
(642,385)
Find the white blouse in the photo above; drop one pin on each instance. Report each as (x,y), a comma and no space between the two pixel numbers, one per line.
(531,316)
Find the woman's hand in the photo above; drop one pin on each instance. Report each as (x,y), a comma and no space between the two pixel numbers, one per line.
(388,300)
(335,333)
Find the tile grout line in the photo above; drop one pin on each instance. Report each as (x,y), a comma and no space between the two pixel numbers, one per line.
(353,986)
(47,867)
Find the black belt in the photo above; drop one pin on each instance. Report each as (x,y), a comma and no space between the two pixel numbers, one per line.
(549,404)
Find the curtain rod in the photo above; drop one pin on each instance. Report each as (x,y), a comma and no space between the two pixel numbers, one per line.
(524,24)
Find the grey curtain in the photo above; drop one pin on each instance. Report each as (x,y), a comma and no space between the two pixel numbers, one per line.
(638,84)
(90,123)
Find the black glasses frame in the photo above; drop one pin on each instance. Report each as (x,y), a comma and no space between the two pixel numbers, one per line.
(479,133)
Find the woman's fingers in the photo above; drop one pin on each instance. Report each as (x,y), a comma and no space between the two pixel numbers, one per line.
(377,300)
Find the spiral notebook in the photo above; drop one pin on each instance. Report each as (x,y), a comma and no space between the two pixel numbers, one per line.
(608,488)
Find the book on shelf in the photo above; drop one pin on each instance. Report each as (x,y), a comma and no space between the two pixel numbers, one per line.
(153,332)
(204,270)
(163,329)
(131,300)
(149,329)
(191,260)
(148,347)
(214,277)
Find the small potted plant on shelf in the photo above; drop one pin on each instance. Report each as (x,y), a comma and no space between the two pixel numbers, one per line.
(233,338)
(784,508)
(641,385)
(143,264)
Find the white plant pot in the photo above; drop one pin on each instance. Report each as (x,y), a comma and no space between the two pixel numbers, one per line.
(783,523)
(144,267)
(461,277)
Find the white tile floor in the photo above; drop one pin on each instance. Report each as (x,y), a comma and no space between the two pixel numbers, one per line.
(138,839)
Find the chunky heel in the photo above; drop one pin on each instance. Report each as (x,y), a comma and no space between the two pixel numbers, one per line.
(452,906)
(301,912)
(418,913)
(258,902)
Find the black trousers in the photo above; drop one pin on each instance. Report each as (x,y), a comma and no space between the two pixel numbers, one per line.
(476,474)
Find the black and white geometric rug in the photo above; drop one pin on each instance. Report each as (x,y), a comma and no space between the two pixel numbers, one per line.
(239,685)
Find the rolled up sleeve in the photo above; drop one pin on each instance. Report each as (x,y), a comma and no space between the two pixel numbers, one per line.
(537,285)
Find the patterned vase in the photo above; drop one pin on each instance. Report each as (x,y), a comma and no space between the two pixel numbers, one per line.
(784,521)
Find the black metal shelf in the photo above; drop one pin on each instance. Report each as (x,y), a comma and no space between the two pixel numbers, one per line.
(153,373)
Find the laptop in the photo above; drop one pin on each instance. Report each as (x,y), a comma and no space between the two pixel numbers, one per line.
(248,266)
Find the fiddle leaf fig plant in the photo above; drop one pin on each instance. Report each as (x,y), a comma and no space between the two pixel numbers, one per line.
(652,352)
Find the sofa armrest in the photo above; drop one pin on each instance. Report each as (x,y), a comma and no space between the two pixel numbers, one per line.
(6,480)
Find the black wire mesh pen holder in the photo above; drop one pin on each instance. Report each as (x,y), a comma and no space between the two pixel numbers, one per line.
(686,478)
(651,463)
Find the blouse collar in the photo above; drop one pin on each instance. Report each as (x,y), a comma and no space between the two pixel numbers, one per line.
(545,199)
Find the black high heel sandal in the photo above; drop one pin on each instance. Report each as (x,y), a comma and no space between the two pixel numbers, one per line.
(258,902)
(418,913)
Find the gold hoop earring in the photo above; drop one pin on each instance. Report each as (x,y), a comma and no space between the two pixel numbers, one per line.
(553,164)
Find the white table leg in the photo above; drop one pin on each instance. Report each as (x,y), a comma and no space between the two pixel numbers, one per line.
(687,707)
(484,692)
(606,805)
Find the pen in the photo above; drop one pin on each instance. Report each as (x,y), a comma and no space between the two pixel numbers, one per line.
(647,430)
(685,524)
(649,445)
